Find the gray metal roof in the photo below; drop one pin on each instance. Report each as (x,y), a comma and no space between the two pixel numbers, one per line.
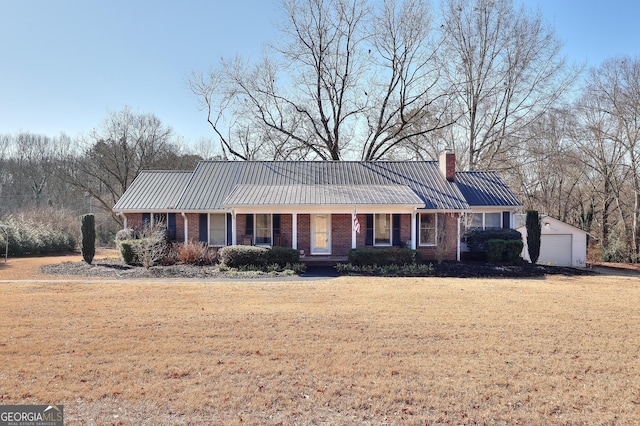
(216,185)
(258,195)
(485,189)
(154,190)
(213,181)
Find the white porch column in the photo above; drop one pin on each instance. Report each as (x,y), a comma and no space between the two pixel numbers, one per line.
(234,228)
(413,231)
(294,231)
(458,241)
(124,222)
(186,226)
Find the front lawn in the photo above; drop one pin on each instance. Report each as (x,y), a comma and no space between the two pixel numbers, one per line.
(351,350)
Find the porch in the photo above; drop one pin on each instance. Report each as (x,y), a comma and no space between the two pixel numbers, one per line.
(323,260)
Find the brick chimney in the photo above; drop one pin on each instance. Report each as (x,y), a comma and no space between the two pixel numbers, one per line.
(448,164)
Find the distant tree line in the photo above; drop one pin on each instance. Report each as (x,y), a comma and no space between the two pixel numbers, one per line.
(390,80)
(87,174)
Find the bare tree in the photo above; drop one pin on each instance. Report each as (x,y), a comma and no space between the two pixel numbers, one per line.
(115,153)
(547,167)
(507,68)
(611,106)
(28,170)
(347,80)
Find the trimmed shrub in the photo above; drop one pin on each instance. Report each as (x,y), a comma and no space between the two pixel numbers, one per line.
(513,250)
(242,256)
(534,232)
(88,237)
(127,251)
(382,257)
(503,250)
(239,256)
(283,255)
(477,239)
(495,250)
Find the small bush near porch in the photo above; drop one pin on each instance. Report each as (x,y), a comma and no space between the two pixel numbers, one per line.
(383,256)
(241,256)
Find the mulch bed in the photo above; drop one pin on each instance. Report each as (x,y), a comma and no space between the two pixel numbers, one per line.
(487,270)
(110,268)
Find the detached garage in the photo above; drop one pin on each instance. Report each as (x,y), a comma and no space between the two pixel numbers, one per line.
(561,244)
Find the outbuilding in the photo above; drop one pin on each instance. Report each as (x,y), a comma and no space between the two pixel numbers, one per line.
(561,244)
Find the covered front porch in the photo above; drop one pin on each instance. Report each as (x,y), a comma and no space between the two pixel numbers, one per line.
(323,220)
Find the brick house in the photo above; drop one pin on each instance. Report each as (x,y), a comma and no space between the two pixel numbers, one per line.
(322,208)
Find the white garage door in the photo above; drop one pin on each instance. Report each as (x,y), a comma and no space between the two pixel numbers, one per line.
(555,250)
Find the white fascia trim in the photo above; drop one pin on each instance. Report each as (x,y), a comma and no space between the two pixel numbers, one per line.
(327,208)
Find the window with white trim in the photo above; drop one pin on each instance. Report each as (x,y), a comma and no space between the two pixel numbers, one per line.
(263,229)
(382,229)
(493,220)
(487,220)
(217,229)
(428,229)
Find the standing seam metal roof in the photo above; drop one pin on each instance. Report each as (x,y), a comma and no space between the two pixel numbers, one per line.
(213,181)
(154,190)
(257,195)
(485,189)
(208,186)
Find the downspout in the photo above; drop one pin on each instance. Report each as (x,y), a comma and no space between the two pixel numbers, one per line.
(124,219)
(186,226)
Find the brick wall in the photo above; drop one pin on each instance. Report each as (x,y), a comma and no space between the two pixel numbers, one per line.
(304,233)
(193,226)
(341,234)
(134,220)
(241,226)
(286,230)
(447,250)
(341,226)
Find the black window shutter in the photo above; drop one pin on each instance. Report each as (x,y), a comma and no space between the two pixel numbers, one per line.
(395,233)
(276,224)
(171,226)
(506,220)
(248,229)
(229,229)
(418,229)
(146,219)
(203,225)
(369,236)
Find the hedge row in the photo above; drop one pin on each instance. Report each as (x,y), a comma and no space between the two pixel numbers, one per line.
(239,256)
(480,248)
(32,237)
(504,250)
(383,256)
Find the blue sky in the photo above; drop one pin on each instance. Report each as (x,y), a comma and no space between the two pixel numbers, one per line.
(65,64)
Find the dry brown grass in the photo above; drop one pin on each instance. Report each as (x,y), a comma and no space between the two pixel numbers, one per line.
(342,351)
